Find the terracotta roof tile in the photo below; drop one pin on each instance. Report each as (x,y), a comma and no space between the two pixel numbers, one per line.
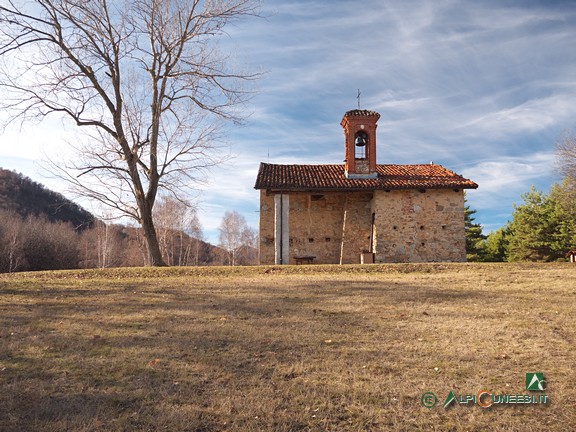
(361,113)
(331,177)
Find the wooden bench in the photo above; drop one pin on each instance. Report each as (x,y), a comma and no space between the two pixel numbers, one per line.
(305,259)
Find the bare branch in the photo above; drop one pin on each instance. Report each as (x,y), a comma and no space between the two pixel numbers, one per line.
(566,155)
(143,78)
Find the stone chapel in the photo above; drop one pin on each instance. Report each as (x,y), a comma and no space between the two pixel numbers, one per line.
(361,211)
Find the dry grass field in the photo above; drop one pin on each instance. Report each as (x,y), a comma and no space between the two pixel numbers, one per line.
(303,348)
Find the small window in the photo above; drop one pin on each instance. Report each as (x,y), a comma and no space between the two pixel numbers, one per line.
(327,239)
(310,240)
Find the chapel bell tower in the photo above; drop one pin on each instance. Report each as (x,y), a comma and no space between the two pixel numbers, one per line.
(360,143)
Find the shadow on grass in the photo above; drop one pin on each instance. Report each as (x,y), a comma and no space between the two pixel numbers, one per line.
(250,355)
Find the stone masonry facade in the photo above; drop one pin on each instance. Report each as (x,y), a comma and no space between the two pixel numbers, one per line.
(397,226)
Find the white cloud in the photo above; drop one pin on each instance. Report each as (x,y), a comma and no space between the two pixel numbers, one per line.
(484,88)
(504,177)
(531,116)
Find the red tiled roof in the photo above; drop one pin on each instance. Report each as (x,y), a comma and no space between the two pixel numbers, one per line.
(331,177)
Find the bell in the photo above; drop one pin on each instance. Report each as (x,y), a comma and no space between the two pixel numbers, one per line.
(360,141)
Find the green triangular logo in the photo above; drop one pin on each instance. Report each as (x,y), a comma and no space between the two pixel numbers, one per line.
(449,399)
(535,381)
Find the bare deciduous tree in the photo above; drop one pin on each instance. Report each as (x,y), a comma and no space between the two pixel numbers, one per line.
(11,242)
(566,155)
(143,78)
(235,235)
(177,221)
(195,230)
(50,246)
(248,252)
(105,245)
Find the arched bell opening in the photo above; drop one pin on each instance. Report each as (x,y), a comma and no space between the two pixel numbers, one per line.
(360,144)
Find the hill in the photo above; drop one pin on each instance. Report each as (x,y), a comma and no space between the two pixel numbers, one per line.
(24,196)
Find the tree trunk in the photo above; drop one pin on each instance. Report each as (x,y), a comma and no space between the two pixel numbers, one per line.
(152,245)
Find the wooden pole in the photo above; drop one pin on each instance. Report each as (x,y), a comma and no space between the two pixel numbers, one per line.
(343,229)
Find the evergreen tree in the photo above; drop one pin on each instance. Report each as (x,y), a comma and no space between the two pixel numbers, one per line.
(534,228)
(474,237)
(496,246)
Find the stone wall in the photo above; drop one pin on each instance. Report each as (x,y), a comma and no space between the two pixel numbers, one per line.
(414,226)
(316,226)
(410,226)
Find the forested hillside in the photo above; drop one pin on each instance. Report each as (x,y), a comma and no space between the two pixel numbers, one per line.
(42,230)
(25,197)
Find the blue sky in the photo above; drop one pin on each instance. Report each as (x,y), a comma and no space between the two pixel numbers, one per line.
(484,88)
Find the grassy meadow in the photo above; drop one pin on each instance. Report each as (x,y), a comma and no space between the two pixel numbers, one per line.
(295,348)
